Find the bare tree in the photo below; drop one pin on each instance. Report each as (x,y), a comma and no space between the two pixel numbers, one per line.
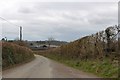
(50,39)
(16,39)
(109,34)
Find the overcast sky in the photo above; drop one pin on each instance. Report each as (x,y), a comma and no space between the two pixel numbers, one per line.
(65,21)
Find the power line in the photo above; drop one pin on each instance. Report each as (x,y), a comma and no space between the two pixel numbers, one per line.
(9,22)
(14,25)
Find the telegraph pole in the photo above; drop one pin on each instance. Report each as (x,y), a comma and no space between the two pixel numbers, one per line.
(20,33)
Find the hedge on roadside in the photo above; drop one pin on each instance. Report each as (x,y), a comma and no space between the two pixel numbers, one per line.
(13,54)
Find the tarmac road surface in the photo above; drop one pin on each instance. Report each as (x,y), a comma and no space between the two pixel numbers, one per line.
(42,67)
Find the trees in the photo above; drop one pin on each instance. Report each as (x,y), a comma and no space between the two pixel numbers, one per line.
(50,39)
(4,39)
(16,39)
(110,32)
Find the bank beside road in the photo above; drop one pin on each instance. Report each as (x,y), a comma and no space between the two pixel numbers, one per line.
(104,68)
(14,54)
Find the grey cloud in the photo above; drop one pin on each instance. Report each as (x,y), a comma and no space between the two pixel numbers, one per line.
(25,10)
(103,20)
(64,20)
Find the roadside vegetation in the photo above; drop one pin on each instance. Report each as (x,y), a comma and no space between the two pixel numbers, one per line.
(97,53)
(105,68)
(13,54)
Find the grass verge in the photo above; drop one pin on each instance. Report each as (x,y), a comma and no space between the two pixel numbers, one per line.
(105,68)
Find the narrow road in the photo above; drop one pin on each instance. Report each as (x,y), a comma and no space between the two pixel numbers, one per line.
(42,67)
